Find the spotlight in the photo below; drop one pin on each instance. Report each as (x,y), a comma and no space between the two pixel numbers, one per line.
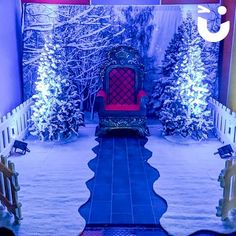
(21,145)
(225,151)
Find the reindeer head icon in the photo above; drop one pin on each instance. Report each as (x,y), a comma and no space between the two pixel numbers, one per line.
(203,30)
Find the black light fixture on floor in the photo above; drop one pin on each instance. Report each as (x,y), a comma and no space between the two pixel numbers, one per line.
(225,151)
(21,145)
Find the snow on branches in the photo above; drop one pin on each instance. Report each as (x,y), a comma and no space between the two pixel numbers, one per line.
(181,98)
(56,109)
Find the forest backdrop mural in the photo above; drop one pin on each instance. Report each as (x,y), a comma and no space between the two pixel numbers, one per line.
(64,47)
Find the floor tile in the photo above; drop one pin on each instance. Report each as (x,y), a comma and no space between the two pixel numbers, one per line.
(121,200)
(104,165)
(101,192)
(136,168)
(122,187)
(103,176)
(122,218)
(139,185)
(121,207)
(140,197)
(100,213)
(143,214)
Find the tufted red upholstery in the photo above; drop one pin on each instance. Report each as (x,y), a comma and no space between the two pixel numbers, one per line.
(121,86)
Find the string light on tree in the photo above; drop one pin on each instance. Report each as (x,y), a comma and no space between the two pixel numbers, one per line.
(186,110)
(56,112)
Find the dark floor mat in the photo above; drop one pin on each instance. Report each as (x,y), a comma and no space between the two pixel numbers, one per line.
(122,188)
(122,199)
(124,231)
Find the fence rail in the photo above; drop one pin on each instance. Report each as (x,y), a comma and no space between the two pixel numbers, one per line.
(9,187)
(227,181)
(224,122)
(14,126)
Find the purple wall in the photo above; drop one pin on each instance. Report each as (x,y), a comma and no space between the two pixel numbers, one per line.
(10,55)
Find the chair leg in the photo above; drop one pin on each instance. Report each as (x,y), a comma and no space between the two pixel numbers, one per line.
(101,131)
(107,124)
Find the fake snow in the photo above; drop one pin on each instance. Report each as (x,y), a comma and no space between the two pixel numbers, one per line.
(53,176)
(189,183)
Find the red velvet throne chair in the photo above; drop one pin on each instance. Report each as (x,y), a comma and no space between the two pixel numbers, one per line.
(122,101)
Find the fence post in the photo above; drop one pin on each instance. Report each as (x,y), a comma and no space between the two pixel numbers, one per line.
(9,189)
(14,189)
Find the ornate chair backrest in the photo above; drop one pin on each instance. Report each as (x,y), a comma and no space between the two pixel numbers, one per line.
(122,75)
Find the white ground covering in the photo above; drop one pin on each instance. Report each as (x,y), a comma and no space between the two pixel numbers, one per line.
(53,175)
(52,179)
(188,182)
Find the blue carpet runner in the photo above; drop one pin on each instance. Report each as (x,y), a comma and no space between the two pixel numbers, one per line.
(122,201)
(139,231)
(121,190)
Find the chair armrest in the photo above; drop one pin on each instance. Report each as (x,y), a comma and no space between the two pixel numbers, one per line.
(142,97)
(100,101)
(142,100)
(102,93)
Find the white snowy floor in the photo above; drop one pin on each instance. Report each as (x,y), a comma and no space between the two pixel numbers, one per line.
(53,175)
(52,179)
(188,182)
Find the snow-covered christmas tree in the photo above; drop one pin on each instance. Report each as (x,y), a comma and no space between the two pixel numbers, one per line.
(185,111)
(160,91)
(56,112)
(209,56)
(210,53)
(170,57)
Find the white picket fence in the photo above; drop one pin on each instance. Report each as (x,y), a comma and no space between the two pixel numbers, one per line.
(224,122)
(14,126)
(227,179)
(9,188)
